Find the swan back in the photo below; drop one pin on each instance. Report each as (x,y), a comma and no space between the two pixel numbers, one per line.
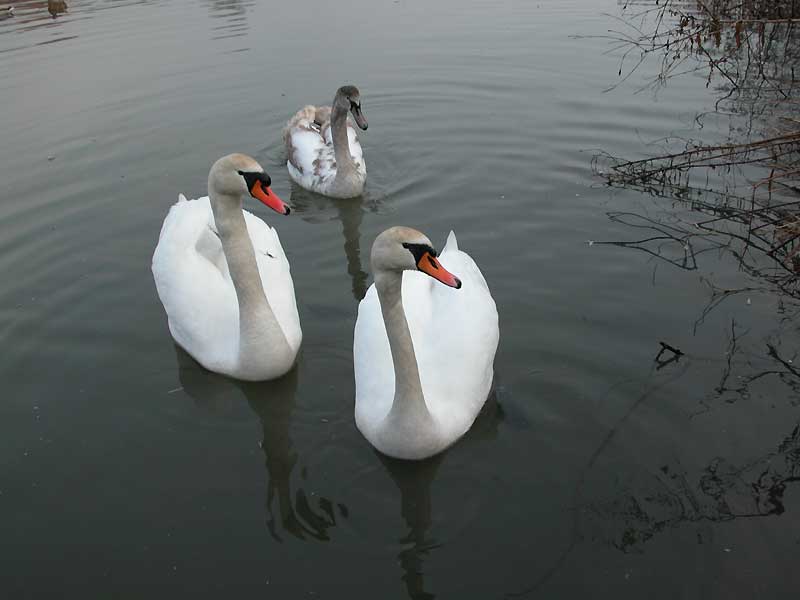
(191,277)
(313,160)
(194,284)
(455,335)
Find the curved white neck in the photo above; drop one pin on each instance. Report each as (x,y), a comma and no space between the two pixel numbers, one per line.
(260,335)
(341,143)
(409,411)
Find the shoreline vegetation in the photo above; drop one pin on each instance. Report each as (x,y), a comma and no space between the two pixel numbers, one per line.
(742,195)
(734,193)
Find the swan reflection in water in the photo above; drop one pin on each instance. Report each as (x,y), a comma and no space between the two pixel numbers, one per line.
(314,208)
(273,401)
(414,480)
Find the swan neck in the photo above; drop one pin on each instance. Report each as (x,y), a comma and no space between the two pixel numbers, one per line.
(409,401)
(341,143)
(255,314)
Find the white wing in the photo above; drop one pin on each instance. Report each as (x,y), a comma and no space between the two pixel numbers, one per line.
(194,285)
(309,147)
(455,335)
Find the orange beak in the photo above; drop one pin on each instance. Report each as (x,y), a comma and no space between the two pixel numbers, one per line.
(431,265)
(263,193)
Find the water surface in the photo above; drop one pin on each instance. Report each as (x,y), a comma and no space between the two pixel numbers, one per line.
(126,470)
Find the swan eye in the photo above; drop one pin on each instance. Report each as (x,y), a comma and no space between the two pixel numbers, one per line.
(250,177)
(419,250)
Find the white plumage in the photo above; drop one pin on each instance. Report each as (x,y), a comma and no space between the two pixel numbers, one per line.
(195,287)
(322,147)
(312,163)
(455,335)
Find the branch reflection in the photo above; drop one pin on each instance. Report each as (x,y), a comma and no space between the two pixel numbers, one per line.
(723,491)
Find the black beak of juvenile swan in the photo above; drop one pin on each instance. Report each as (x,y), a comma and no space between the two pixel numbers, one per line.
(361,121)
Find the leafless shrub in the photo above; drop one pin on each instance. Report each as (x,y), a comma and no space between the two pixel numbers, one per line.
(743,195)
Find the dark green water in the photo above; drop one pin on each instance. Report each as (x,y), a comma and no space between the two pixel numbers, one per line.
(126,471)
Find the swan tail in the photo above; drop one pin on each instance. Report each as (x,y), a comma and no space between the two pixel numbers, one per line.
(183,221)
(463,264)
(300,136)
(302,118)
(452,242)
(323,115)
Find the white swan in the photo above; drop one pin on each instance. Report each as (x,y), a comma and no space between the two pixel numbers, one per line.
(322,146)
(423,352)
(224,280)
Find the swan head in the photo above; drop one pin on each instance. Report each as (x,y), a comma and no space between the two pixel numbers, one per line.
(349,98)
(404,249)
(237,175)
